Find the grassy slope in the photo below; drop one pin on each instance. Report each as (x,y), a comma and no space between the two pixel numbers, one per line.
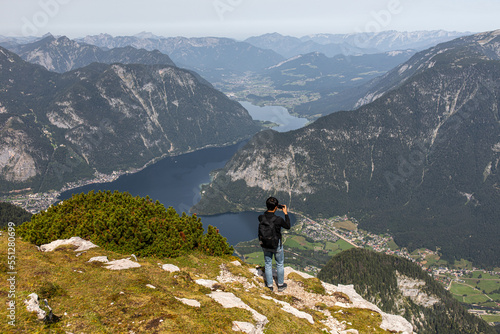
(91,299)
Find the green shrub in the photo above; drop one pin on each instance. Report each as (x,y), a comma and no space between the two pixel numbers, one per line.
(122,223)
(215,244)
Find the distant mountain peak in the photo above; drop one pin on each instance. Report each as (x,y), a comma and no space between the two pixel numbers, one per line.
(146,35)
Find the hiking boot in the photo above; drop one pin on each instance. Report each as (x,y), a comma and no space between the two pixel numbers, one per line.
(282,287)
(270,288)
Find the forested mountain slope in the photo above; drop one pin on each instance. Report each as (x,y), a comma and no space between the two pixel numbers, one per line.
(399,286)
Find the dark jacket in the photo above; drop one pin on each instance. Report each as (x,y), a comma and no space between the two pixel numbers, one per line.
(278,223)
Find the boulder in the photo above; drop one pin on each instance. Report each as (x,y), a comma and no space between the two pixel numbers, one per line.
(206,283)
(170,268)
(122,264)
(82,245)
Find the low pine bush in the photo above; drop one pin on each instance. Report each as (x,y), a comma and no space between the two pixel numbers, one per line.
(122,223)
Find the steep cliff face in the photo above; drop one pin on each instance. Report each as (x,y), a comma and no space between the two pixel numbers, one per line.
(420,161)
(16,153)
(61,127)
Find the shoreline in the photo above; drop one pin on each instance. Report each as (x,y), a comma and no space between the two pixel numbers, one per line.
(41,201)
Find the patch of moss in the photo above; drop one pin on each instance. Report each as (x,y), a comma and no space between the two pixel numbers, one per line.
(363,320)
(312,285)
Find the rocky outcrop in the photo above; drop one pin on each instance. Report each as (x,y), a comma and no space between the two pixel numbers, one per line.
(33,305)
(121,264)
(84,245)
(413,288)
(229,300)
(309,300)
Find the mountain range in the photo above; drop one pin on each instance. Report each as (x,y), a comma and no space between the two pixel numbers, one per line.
(312,73)
(63,54)
(352,44)
(57,128)
(316,66)
(211,57)
(289,46)
(354,97)
(418,158)
(421,161)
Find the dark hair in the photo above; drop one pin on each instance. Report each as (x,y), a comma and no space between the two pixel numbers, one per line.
(271,203)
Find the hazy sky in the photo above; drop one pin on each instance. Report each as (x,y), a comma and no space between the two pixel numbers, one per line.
(242,18)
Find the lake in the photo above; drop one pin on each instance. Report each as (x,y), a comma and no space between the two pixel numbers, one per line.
(176,181)
(275,114)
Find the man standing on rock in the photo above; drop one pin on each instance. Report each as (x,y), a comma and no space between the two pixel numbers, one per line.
(270,240)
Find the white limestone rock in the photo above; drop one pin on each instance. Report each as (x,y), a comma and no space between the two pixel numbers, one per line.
(350,331)
(229,300)
(290,309)
(395,323)
(170,268)
(189,302)
(103,259)
(289,270)
(413,288)
(257,272)
(82,245)
(33,305)
(122,264)
(226,277)
(389,322)
(245,327)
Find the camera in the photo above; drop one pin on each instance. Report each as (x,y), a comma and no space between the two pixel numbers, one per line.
(280,206)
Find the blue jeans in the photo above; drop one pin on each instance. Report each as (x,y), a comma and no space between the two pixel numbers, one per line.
(279,256)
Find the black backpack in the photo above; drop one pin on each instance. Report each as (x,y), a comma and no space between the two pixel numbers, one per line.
(268,238)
